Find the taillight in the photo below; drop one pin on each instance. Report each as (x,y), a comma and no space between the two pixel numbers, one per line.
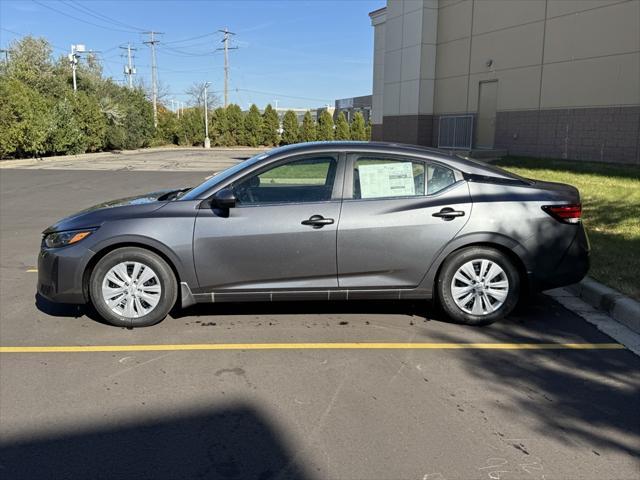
(565,213)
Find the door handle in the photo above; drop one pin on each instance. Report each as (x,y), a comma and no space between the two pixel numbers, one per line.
(448,213)
(317,221)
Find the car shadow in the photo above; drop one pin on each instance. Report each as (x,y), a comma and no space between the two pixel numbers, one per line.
(421,309)
(577,396)
(69,310)
(235,442)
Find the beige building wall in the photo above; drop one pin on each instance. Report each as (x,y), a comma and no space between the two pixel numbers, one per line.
(546,55)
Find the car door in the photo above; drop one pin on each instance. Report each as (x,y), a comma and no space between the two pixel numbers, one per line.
(398,213)
(281,235)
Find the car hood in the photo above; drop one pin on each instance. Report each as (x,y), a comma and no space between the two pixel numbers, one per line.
(128,207)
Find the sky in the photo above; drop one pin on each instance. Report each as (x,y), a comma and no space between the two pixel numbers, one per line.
(298,54)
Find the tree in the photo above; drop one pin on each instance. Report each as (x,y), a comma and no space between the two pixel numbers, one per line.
(290,128)
(220,128)
(25,120)
(368,132)
(196,95)
(270,127)
(236,125)
(325,126)
(191,127)
(342,128)
(308,132)
(358,131)
(253,126)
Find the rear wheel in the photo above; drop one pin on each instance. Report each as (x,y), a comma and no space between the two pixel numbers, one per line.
(132,287)
(478,285)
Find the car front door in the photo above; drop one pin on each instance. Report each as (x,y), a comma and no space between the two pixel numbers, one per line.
(398,213)
(281,235)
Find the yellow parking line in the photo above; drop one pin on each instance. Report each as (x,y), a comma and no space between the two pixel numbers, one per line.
(314,346)
(32,270)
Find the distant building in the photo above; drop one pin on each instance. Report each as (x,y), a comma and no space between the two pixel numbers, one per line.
(554,78)
(349,106)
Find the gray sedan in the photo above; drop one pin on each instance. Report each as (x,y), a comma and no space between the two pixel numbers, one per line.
(323,221)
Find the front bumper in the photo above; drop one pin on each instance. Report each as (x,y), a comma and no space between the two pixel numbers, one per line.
(60,273)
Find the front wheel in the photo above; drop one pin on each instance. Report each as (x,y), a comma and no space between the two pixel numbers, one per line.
(478,286)
(132,287)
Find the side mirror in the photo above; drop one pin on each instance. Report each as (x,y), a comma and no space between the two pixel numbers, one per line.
(224,199)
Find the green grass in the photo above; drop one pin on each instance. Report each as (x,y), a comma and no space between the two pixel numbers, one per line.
(611,213)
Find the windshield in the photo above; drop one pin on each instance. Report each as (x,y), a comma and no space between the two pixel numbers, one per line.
(199,191)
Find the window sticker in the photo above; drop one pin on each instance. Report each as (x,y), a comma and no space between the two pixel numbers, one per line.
(386,180)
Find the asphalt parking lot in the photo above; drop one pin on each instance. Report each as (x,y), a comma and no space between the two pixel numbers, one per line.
(358,390)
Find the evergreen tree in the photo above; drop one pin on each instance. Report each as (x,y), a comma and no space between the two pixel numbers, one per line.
(308,132)
(358,131)
(253,126)
(325,126)
(270,126)
(220,128)
(290,128)
(236,125)
(368,132)
(342,128)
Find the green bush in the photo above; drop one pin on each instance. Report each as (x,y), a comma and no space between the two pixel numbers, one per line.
(25,120)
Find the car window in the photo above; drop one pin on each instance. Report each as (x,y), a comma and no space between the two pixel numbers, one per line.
(384,178)
(388,178)
(304,180)
(439,178)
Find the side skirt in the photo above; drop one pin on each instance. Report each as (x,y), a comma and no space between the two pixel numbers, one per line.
(188,298)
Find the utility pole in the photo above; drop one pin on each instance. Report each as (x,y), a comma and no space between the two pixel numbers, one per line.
(226,48)
(129,69)
(153,41)
(207,141)
(73,59)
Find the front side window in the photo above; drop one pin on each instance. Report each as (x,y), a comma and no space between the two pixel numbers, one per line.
(389,178)
(298,181)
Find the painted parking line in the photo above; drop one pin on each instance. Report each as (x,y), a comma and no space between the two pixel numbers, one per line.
(313,346)
(32,270)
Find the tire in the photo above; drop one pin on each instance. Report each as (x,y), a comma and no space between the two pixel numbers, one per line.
(133,302)
(478,300)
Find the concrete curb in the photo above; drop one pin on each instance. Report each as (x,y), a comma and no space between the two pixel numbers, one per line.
(621,308)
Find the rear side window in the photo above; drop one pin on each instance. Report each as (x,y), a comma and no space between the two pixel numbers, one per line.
(389,178)
(439,178)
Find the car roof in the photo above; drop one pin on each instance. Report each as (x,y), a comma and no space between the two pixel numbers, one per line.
(464,165)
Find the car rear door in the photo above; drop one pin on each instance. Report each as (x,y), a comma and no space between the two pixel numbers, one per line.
(397,214)
(282,233)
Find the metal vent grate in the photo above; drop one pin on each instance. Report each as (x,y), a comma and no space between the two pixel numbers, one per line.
(455,131)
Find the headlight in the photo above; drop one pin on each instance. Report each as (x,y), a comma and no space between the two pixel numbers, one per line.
(61,239)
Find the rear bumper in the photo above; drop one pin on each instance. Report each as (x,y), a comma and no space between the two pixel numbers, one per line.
(60,273)
(572,267)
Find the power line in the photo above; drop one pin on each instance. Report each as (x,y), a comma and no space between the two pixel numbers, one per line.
(189,39)
(83,20)
(104,18)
